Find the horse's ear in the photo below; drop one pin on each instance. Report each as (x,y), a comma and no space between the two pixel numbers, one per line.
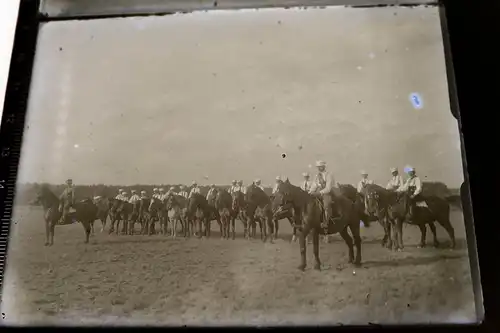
(287,181)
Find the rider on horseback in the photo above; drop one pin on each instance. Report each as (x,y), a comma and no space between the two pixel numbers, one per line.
(233,187)
(259,184)
(276,186)
(155,193)
(324,185)
(183,192)
(134,198)
(211,192)
(306,185)
(161,195)
(119,196)
(364,181)
(396,181)
(144,195)
(66,200)
(413,186)
(194,189)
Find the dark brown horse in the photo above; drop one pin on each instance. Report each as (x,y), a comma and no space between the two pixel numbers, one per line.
(224,203)
(119,211)
(134,217)
(239,211)
(176,211)
(377,201)
(213,212)
(103,206)
(280,213)
(403,209)
(157,212)
(259,208)
(85,213)
(199,214)
(310,210)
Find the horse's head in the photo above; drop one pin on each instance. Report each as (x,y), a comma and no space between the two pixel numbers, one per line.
(372,198)
(238,200)
(170,201)
(283,197)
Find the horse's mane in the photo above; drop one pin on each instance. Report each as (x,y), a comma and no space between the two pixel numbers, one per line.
(377,188)
(47,193)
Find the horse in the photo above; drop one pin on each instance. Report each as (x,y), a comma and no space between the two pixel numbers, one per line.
(176,211)
(377,201)
(310,210)
(238,206)
(157,211)
(213,213)
(135,216)
(103,206)
(259,207)
(223,203)
(198,213)
(52,215)
(86,213)
(144,215)
(120,211)
(279,214)
(402,209)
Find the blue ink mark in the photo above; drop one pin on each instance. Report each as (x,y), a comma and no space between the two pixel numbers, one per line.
(416,101)
(407,169)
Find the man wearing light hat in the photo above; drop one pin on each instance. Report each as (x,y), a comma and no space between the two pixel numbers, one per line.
(278,182)
(162,193)
(364,181)
(233,187)
(258,183)
(144,195)
(66,200)
(155,195)
(119,196)
(134,197)
(125,196)
(414,187)
(324,185)
(183,192)
(306,184)
(396,181)
(194,189)
(242,188)
(211,192)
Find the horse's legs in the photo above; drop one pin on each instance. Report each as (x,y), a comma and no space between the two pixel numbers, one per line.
(387,232)
(294,230)
(112,227)
(92,227)
(103,222)
(348,240)
(315,237)
(434,234)
(423,234)
(276,228)
(87,226)
(47,231)
(303,247)
(399,231)
(355,230)
(446,224)
(52,231)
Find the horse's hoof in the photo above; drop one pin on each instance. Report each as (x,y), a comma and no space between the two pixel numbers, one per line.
(436,245)
(400,250)
(302,267)
(357,264)
(350,261)
(317,266)
(47,244)
(421,246)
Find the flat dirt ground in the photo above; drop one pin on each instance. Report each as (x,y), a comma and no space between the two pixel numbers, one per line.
(126,280)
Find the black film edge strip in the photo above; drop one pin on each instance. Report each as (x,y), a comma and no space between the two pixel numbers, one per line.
(15,107)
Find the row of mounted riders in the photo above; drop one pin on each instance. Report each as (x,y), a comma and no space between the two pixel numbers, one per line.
(307,214)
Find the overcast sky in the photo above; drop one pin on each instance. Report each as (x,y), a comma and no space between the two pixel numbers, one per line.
(222,95)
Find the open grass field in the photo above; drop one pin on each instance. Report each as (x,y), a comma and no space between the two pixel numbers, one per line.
(156,280)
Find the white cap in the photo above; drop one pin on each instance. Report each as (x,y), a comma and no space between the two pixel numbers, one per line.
(143,192)
(182,186)
(172,188)
(363,172)
(305,174)
(133,191)
(409,168)
(257,180)
(120,190)
(194,183)
(278,178)
(234,181)
(124,193)
(394,169)
(320,163)
(155,189)
(162,190)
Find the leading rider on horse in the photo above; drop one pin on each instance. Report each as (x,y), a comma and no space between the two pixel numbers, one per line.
(324,186)
(66,201)
(413,186)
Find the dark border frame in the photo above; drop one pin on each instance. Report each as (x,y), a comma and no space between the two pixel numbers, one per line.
(459,41)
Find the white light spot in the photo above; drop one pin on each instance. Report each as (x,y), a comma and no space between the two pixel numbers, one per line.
(372,55)
(309,166)
(76,145)
(359,68)
(407,49)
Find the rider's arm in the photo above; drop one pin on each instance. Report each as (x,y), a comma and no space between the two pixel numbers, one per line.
(418,185)
(330,184)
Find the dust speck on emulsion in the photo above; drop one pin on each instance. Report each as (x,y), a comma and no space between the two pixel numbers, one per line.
(416,100)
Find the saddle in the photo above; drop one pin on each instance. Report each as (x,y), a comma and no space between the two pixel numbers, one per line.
(332,226)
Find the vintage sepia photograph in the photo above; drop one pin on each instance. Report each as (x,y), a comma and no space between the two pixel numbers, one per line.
(253,167)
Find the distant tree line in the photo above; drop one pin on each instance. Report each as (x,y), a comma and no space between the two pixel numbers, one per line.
(25,193)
